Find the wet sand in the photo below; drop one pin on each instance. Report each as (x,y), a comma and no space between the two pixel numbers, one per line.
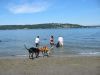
(68,65)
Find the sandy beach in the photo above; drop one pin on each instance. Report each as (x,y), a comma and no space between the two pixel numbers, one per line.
(72,65)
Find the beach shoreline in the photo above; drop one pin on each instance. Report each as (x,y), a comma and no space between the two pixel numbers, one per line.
(54,65)
(26,56)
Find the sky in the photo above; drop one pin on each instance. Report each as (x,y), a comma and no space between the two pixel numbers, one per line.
(83,12)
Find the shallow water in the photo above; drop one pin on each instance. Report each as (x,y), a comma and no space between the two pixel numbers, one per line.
(77,41)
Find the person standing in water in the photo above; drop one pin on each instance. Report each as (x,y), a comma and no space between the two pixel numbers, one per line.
(37,41)
(60,40)
(51,41)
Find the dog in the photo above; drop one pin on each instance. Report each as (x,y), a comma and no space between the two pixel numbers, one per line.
(59,44)
(33,51)
(45,51)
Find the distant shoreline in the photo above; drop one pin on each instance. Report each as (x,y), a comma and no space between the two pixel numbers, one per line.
(45,26)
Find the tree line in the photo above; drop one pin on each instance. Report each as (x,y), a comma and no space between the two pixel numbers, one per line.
(40,26)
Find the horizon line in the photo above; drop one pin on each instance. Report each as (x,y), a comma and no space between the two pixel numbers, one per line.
(52,23)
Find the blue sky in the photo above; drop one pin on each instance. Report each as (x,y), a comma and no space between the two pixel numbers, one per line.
(84,12)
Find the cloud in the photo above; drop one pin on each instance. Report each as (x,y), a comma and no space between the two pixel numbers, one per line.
(28,7)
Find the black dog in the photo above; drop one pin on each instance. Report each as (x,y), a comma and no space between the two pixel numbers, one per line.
(58,44)
(31,51)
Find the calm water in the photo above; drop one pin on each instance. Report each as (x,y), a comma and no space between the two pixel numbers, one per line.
(76,41)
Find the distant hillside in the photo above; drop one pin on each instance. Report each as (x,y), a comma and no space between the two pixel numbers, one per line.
(45,26)
(39,26)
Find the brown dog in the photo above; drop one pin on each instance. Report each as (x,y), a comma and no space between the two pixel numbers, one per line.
(45,51)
